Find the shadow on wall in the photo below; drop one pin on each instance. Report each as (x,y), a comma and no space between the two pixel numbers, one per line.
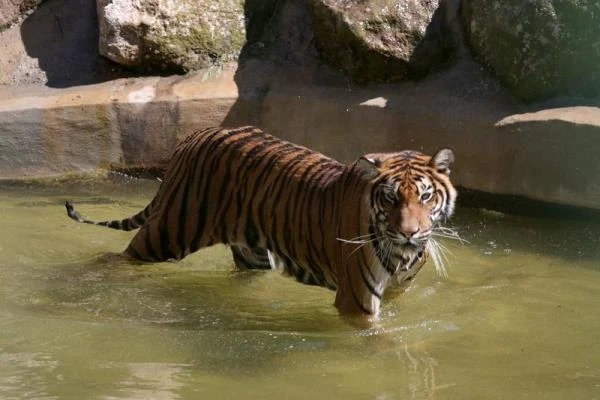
(63,36)
(286,89)
(441,45)
(280,39)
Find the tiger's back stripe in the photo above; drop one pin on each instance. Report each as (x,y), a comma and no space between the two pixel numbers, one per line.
(244,164)
(181,189)
(225,186)
(254,158)
(277,240)
(151,248)
(259,228)
(315,228)
(190,220)
(202,193)
(257,206)
(176,202)
(255,165)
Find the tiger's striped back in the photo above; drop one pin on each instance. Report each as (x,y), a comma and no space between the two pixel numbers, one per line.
(244,187)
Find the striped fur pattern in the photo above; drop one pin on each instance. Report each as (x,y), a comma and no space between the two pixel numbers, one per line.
(356,228)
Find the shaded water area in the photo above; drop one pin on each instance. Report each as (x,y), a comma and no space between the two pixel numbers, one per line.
(518,316)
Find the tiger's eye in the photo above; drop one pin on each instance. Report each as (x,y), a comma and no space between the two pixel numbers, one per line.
(426,196)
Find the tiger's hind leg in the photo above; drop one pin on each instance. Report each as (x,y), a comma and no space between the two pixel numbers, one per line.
(250,257)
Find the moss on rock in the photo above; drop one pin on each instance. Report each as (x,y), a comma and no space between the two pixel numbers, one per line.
(172,35)
(538,48)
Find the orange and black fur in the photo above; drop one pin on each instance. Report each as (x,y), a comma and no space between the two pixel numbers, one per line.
(356,229)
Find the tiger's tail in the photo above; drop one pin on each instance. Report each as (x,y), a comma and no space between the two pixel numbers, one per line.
(127,224)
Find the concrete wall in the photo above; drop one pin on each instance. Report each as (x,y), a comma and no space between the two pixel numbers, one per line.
(547,154)
(123,123)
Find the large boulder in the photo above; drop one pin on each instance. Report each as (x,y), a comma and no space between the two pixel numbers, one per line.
(538,48)
(171,35)
(383,40)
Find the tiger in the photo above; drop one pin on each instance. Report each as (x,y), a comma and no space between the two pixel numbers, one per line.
(353,228)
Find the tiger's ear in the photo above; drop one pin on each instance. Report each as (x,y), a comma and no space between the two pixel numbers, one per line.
(369,166)
(442,160)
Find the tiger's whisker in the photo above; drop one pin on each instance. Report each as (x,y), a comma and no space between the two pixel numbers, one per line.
(355,241)
(356,249)
(459,239)
(438,257)
(448,233)
(358,239)
(363,243)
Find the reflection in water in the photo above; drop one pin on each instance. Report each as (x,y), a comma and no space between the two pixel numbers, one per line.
(422,377)
(517,316)
(24,375)
(150,381)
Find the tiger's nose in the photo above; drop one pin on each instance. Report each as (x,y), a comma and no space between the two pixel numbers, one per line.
(409,223)
(409,231)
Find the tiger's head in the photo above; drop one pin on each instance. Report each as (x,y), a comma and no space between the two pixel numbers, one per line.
(411,195)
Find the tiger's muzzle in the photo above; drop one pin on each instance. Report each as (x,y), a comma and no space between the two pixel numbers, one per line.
(413,242)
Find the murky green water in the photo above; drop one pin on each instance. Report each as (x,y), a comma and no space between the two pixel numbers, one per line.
(518,317)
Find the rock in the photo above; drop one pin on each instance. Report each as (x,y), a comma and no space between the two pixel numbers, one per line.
(57,46)
(379,41)
(281,32)
(12,10)
(259,14)
(553,154)
(538,48)
(171,35)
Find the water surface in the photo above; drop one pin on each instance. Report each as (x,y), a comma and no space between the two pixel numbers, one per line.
(518,316)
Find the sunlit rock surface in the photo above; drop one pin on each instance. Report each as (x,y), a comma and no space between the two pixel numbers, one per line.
(383,40)
(13,10)
(171,35)
(56,46)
